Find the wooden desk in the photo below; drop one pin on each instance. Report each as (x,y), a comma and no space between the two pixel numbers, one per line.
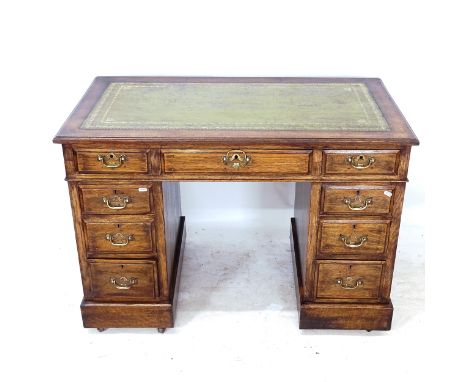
(131,140)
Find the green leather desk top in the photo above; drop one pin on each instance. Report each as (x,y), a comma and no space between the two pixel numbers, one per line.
(230,110)
(272,106)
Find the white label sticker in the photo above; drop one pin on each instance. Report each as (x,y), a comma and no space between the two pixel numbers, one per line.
(142,189)
(388,193)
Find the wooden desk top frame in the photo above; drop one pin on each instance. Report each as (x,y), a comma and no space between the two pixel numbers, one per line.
(399,132)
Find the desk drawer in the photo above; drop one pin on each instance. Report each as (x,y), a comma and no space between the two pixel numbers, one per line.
(361,162)
(113,239)
(118,199)
(112,162)
(357,200)
(236,161)
(349,280)
(115,280)
(353,237)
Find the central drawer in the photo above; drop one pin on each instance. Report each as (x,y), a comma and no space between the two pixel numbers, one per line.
(236,161)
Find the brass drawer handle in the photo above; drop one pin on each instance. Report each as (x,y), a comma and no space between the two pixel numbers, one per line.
(112,160)
(357,204)
(116,202)
(123,282)
(236,159)
(356,244)
(119,239)
(360,162)
(349,283)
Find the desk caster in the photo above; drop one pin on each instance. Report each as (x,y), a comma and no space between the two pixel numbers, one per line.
(161,330)
(101,329)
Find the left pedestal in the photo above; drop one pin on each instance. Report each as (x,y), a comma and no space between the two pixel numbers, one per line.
(139,315)
(130,238)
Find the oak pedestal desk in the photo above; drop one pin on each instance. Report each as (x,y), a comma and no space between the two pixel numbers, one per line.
(131,140)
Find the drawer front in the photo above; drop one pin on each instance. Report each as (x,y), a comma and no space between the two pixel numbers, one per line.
(119,238)
(357,200)
(123,281)
(109,162)
(361,162)
(349,280)
(116,200)
(236,161)
(353,237)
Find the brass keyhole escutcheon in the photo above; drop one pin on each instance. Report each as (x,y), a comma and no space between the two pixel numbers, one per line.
(236,159)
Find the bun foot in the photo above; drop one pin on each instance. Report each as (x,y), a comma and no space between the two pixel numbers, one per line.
(161,330)
(101,329)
